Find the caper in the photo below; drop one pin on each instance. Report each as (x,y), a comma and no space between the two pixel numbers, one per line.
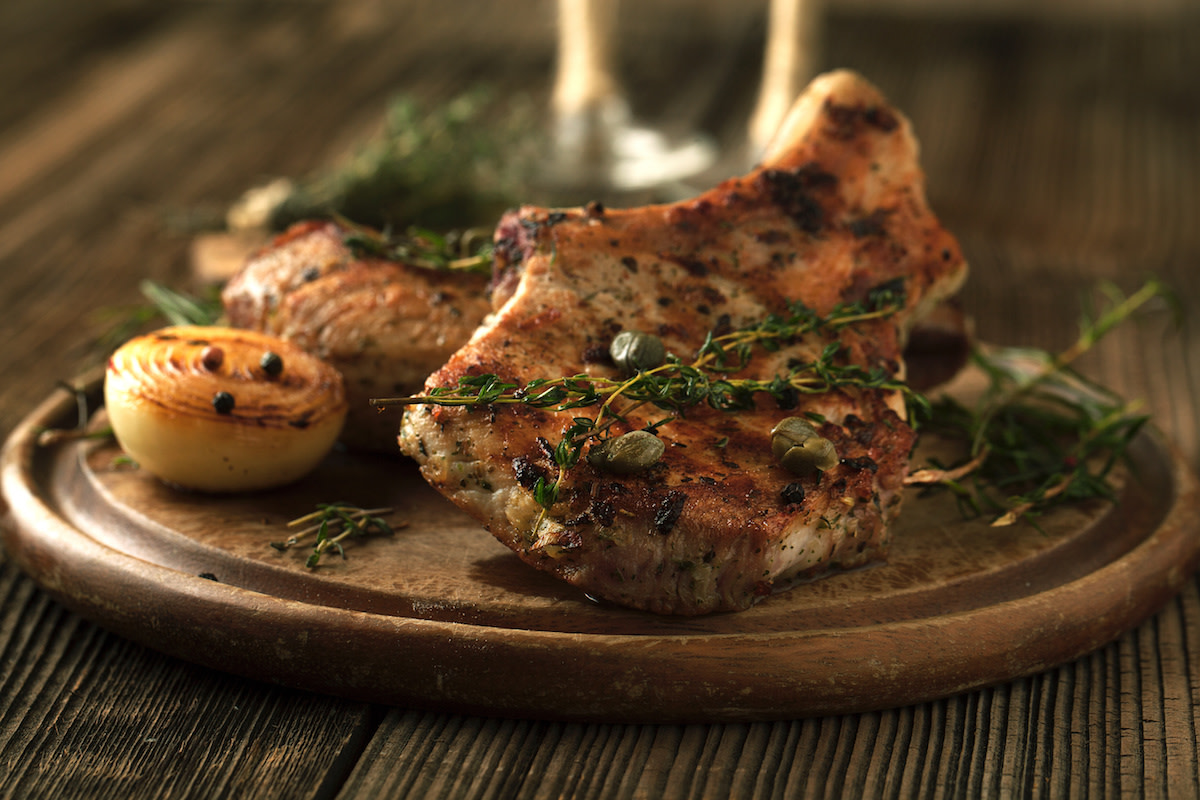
(799,449)
(627,454)
(634,351)
(790,432)
(815,454)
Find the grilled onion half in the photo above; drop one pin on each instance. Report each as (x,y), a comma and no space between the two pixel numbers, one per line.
(222,410)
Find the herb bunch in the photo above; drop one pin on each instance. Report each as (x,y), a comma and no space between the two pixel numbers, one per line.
(1041,434)
(466,160)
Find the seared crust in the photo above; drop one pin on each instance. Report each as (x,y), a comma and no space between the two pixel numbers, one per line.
(837,210)
(383,324)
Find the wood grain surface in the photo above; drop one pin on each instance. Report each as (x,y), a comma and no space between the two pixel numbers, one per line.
(440,616)
(1061,150)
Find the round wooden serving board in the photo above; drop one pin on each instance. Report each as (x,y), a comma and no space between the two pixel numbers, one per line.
(440,615)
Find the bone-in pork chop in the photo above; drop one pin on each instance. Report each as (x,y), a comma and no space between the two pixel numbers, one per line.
(833,224)
(385,325)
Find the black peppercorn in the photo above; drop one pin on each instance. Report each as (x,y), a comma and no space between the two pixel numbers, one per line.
(223,402)
(271,363)
(792,494)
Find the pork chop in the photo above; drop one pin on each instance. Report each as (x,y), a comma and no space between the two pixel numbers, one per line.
(834,221)
(385,325)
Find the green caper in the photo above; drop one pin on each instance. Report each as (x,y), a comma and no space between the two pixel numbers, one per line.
(627,454)
(790,432)
(815,454)
(633,351)
(799,449)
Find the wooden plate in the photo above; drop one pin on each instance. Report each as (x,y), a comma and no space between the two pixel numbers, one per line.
(440,615)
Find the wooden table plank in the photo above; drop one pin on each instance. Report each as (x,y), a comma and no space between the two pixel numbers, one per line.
(87,714)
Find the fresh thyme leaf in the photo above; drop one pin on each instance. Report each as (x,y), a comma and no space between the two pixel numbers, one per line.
(461,162)
(332,524)
(468,251)
(1041,434)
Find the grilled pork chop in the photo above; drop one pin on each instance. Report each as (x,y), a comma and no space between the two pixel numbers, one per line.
(383,324)
(834,218)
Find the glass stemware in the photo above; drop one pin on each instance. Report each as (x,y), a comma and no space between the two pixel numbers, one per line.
(597,144)
(789,62)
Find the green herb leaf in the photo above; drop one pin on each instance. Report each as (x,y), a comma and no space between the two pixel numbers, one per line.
(1041,434)
(332,524)
(462,162)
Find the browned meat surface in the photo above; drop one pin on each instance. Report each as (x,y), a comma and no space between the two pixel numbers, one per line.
(384,325)
(836,211)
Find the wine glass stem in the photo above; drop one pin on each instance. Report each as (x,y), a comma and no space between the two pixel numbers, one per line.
(788,63)
(585,79)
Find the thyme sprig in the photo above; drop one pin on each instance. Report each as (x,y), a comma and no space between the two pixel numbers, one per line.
(1038,449)
(465,251)
(1041,434)
(1010,385)
(677,386)
(333,523)
(464,160)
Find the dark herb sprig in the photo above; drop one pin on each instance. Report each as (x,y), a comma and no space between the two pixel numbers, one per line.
(83,429)
(1041,434)
(1048,446)
(466,251)
(182,309)
(162,304)
(333,523)
(461,162)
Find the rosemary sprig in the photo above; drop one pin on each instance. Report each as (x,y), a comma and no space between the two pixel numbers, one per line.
(1041,434)
(162,303)
(333,523)
(182,309)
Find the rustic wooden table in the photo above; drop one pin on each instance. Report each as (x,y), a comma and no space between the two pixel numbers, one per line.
(1062,151)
